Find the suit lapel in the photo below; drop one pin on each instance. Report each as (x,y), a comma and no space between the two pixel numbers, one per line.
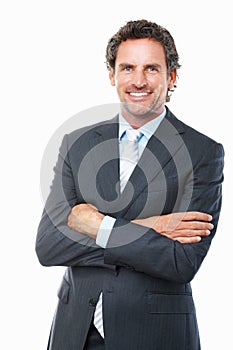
(160,150)
(105,157)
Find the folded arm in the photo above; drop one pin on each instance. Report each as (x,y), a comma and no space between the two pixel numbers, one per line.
(143,251)
(152,246)
(186,227)
(170,246)
(56,243)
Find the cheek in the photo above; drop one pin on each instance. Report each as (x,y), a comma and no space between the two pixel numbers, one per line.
(160,89)
(157,81)
(122,81)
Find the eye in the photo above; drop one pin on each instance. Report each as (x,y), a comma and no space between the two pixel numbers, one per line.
(152,69)
(127,68)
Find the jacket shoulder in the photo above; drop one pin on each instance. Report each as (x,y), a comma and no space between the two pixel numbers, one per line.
(191,135)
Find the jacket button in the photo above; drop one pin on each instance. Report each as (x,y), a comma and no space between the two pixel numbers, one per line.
(92,302)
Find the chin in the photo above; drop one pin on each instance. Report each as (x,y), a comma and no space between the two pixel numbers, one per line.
(138,111)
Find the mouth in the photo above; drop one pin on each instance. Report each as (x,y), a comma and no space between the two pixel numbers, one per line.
(138,95)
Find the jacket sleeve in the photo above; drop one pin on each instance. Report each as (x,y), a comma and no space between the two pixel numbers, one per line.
(145,250)
(56,243)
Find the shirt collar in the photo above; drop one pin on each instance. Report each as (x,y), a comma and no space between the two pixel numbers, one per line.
(148,129)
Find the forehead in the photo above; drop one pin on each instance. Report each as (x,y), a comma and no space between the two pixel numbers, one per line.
(137,51)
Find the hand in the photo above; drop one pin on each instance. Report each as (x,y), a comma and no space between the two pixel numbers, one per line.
(85,218)
(186,227)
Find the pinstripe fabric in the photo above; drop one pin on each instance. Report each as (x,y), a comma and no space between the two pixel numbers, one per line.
(148,300)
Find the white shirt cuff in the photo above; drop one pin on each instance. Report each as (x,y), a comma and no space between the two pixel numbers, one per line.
(105,231)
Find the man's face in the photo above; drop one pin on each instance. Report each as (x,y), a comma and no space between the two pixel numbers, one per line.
(141,77)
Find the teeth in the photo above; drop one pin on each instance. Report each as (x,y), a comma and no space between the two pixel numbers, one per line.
(138,94)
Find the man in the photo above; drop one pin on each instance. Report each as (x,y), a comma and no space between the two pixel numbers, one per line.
(132,213)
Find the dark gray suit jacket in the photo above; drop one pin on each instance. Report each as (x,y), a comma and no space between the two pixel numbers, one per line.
(145,276)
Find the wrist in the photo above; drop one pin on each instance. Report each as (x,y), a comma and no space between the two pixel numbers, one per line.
(95,225)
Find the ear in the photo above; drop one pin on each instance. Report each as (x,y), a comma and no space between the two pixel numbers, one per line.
(112,77)
(172,79)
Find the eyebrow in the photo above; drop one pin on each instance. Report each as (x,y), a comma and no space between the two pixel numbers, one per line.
(123,65)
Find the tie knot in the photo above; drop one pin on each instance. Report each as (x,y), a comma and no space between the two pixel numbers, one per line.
(133,135)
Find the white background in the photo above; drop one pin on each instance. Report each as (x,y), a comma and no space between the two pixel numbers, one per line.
(52,67)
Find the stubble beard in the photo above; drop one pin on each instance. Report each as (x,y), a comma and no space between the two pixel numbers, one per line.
(141,111)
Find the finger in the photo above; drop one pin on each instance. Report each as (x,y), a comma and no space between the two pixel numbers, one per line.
(184,223)
(69,222)
(195,225)
(92,206)
(188,239)
(196,215)
(189,233)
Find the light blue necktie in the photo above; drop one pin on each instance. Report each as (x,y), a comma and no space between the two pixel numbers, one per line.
(129,156)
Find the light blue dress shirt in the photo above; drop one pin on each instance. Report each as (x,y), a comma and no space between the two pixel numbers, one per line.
(147,130)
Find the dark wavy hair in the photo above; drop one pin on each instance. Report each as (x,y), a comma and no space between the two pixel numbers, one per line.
(143,29)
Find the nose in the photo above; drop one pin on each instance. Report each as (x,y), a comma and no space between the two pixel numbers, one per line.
(139,79)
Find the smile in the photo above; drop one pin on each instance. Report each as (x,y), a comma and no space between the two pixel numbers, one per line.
(139,94)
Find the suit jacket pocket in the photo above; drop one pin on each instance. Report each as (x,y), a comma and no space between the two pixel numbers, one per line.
(169,303)
(64,291)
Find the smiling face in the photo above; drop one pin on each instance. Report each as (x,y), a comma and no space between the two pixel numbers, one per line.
(141,79)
